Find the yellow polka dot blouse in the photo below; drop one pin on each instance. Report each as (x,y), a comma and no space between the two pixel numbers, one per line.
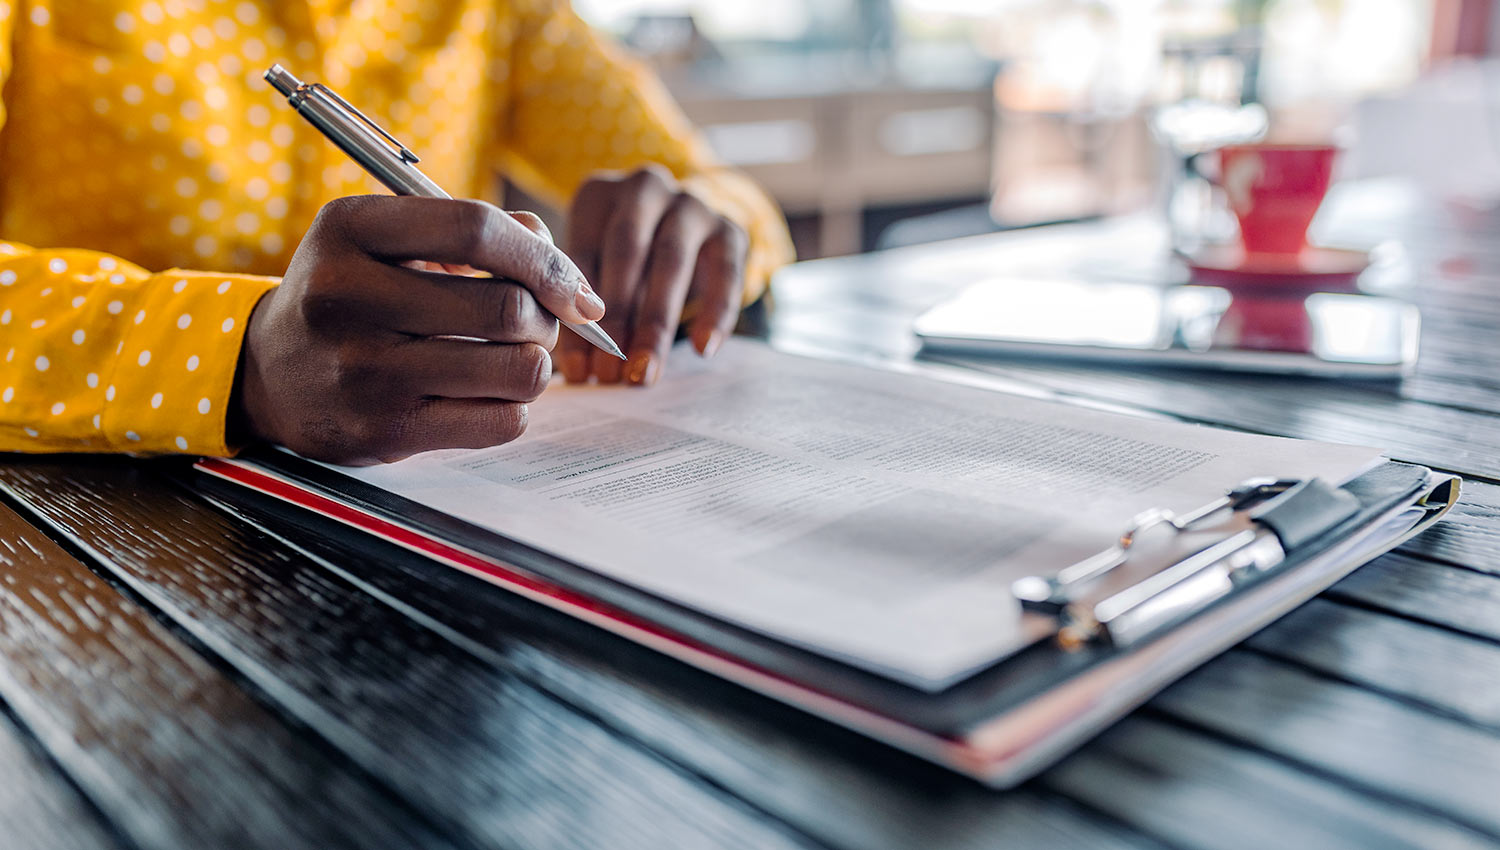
(138,141)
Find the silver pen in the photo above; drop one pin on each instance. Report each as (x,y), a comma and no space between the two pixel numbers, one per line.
(386,159)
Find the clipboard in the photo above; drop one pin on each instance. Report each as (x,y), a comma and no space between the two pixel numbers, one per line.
(1097,659)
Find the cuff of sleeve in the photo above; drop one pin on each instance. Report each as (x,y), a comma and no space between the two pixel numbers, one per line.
(174,368)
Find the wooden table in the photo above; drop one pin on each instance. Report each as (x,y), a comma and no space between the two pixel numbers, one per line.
(180,671)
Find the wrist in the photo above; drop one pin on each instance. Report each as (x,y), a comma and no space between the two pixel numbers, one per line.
(243,422)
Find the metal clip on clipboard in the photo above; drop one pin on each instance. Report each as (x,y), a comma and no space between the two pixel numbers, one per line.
(1283,514)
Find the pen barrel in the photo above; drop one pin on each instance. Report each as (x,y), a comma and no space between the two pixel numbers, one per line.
(1185,588)
(353,139)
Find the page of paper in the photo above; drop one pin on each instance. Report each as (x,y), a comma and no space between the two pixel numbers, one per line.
(872,516)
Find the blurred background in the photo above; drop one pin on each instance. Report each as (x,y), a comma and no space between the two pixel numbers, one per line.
(878,123)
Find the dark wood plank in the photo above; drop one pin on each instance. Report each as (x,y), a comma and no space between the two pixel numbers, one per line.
(1428,591)
(1199,791)
(476,749)
(1446,672)
(169,750)
(833,785)
(39,808)
(1369,742)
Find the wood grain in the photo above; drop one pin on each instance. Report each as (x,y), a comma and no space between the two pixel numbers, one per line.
(1426,591)
(1199,791)
(39,808)
(172,752)
(1391,749)
(1450,673)
(489,757)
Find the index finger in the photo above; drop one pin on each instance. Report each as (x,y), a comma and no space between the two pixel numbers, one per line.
(472,233)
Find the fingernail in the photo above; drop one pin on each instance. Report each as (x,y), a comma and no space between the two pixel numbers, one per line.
(711,345)
(575,366)
(644,369)
(588,302)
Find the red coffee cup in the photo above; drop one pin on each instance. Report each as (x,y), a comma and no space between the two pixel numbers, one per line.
(1275,190)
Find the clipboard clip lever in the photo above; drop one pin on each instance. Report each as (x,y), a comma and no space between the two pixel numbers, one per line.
(1284,513)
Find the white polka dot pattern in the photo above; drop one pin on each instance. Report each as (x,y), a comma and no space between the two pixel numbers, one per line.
(117,373)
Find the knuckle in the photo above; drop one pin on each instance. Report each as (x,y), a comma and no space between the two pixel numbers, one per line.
(592,193)
(653,326)
(689,205)
(621,236)
(535,370)
(337,210)
(670,250)
(339,218)
(510,422)
(736,240)
(510,307)
(641,178)
(474,222)
(556,266)
(655,173)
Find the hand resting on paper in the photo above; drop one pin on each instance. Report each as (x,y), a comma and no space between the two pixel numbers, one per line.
(352,358)
(651,247)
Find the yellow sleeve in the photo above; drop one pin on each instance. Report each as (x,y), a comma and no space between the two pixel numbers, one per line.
(102,356)
(7,30)
(97,354)
(565,76)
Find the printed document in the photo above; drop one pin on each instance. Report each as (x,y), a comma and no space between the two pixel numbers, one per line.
(871,516)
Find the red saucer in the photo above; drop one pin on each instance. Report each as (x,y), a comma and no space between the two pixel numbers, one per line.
(1313,269)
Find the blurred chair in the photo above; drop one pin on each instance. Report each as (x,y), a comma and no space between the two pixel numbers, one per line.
(846,146)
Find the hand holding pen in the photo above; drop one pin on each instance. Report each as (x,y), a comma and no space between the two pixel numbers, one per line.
(650,245)
(362,355)
(388,161)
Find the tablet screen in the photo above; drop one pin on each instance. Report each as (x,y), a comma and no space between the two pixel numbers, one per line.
(1321,333)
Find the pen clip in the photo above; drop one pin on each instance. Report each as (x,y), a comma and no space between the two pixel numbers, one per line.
(401,151)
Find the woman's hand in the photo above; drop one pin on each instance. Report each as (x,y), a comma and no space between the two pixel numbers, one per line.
(352,359)
(650,247)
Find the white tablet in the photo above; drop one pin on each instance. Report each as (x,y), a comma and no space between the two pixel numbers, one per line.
(1324,333)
